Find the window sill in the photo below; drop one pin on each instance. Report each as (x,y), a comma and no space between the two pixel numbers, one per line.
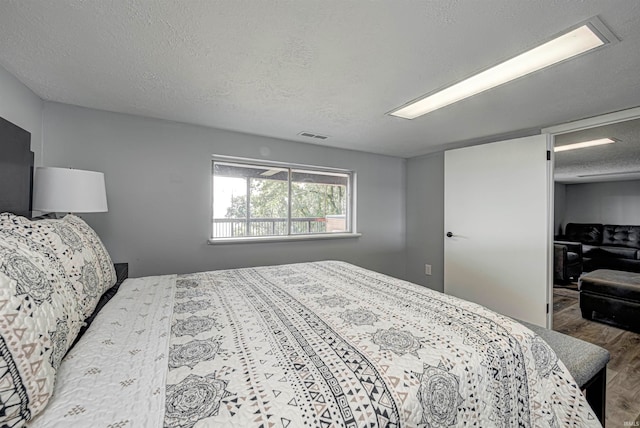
(288,238)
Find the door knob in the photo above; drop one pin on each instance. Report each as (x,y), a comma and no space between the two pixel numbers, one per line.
(449,234)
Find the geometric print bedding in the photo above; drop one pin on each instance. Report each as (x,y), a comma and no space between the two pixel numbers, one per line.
(74,249)
(51,273)
(114,377)
(325,344)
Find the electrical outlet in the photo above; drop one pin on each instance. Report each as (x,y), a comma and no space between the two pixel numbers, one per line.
(427,269)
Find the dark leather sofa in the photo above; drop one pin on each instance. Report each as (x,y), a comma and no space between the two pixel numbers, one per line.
(607,246)
(567,261)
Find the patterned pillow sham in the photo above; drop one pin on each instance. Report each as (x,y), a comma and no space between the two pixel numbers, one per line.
(84,261)
(40,315)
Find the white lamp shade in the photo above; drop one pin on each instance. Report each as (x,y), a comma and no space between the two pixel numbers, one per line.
(69,190)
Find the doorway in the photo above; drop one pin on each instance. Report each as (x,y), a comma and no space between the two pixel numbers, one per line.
(599,186)
(594,186)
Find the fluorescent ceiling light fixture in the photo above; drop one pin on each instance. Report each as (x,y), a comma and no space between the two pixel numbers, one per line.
(602,174)
(568,45)
(583,144)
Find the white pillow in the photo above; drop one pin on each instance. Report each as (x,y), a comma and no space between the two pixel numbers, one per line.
(40,316)
(52,274)
(85,262)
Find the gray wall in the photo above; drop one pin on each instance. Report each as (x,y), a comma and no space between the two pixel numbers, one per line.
(158,187)
(612,202)
(425,220)
(19,105)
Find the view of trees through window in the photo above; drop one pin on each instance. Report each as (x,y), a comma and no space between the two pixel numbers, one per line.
(254,200)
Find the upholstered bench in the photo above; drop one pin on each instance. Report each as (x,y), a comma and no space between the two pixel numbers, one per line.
(586,362)
(612,294)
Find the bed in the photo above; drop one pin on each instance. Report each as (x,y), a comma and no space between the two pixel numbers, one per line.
(324,343)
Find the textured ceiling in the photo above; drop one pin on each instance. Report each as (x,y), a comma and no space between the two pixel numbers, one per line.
(332,67)
(611,162)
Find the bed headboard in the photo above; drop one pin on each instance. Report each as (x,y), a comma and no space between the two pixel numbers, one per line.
(16,169)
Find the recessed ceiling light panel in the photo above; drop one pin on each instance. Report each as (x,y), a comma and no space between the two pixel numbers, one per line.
(575,42)
(584,144)
(604,174)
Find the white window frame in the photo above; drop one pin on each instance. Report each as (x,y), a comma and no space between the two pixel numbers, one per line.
(351,203)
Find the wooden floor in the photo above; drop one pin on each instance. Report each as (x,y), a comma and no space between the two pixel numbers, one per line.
(623,371)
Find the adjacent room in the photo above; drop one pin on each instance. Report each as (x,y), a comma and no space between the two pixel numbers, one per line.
(596,223)
(285,214)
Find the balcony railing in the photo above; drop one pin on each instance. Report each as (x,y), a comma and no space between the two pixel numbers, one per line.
(234,227)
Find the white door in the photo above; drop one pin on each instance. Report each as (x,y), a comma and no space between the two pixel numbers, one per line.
(497,209)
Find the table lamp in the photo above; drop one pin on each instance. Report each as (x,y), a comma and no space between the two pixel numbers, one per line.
(67,190)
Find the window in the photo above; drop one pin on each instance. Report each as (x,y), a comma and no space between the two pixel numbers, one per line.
(252,199)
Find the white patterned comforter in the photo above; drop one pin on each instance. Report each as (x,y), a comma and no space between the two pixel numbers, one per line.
(313,344)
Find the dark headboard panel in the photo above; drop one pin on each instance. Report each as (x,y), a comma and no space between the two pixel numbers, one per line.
(16,169)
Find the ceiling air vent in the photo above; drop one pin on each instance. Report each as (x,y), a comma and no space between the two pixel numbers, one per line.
(310,135)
